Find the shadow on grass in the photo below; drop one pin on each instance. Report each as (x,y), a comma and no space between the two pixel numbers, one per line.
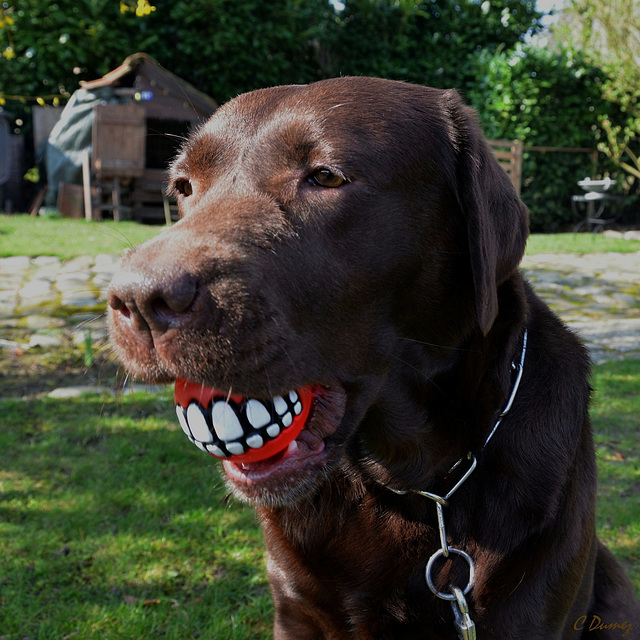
(112,525)
(111,519)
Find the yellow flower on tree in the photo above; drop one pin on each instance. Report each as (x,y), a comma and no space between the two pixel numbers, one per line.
(144,8)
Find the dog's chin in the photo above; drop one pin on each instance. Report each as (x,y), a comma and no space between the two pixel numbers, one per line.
(299,470)
(276,450)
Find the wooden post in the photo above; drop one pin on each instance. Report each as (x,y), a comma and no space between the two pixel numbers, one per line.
(115,199)
(86,184)
(517,150)
(509,154)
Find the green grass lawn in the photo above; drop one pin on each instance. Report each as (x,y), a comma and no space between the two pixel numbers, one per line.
(22,235)
(579,243)
(616,425)
(112,525)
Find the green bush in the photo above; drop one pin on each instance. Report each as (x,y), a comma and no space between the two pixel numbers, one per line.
(544,98)
(226,47)
(426,42)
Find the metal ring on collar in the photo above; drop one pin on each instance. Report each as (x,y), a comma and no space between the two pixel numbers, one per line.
(434,557)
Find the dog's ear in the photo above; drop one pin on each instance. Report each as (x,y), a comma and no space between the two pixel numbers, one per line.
(496,219)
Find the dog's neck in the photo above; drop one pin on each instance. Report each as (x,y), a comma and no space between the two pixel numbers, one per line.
(421,424)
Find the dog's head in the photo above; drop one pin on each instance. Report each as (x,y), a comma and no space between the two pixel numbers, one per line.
(330,235)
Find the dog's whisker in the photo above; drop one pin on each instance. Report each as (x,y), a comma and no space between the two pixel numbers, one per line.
(422,374)
(266,374)
(83,323)
(438,346)
(176,136)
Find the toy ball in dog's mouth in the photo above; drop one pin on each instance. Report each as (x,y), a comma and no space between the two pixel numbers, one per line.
(237,428)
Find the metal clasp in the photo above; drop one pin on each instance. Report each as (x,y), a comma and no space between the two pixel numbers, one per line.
(463,623)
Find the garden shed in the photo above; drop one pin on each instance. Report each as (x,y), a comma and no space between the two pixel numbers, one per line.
(116,136)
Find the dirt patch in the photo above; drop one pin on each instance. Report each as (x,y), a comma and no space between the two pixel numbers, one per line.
(29,372)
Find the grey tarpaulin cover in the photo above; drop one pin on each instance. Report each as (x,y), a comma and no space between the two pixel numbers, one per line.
(70,137)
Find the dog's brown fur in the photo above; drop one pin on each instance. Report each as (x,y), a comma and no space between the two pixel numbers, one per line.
(398,292)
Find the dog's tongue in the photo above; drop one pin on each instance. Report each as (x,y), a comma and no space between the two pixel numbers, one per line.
(241,429)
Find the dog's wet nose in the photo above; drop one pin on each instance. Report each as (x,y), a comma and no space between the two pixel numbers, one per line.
(155,300)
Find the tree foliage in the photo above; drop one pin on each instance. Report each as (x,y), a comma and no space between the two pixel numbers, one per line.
(228,46)
(608,32)
(225,47)
(54,44)
(427,42)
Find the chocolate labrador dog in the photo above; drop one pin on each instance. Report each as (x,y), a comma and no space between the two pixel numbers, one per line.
(341,307)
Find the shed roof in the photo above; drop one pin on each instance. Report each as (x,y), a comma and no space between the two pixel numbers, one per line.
(143,73)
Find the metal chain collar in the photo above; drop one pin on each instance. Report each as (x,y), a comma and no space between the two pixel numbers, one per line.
(463,623)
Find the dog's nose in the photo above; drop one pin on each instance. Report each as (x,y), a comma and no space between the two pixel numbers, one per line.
(154,299)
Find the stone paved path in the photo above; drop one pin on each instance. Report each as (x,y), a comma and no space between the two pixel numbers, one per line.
(49,297)
(44,299)
(597,295)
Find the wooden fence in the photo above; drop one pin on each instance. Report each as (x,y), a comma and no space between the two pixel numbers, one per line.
(509,154)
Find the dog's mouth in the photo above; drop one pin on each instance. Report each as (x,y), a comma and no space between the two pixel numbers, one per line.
(230,426)
(265,443)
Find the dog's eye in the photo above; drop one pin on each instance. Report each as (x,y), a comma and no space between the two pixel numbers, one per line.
(326,178)
(183,187)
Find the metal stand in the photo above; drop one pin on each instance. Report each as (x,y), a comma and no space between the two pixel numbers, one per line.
(592,216)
